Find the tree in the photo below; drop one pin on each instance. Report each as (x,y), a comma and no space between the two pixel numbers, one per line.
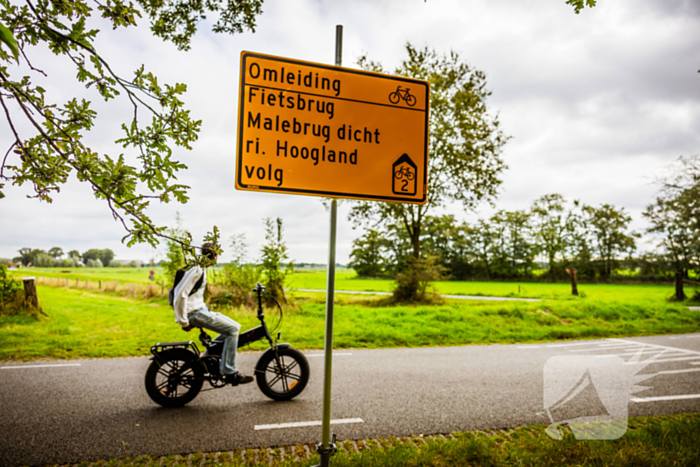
(580,4)
(56,252)
(514,253)
(105,256)
(465,144)
(25,255)
(579,248)
(549,226)
(483,237)
(607,225)
(369,254)
(675,215)
(48,141)
(680,245)
(438,235)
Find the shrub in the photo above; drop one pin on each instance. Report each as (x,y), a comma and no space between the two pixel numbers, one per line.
(274,255)
(233,285)
(413,284)
(12,296)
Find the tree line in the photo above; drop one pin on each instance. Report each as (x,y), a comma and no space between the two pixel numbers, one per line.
(56,257)
(549,238)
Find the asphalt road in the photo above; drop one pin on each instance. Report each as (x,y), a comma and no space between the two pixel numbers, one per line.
(69,411)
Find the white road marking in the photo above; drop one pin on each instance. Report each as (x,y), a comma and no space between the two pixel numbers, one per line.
(681,359)
(653,351)
(571,345)
(529,347)
(15,367)
(303,424)
(335,354)
(657,345)
(673,372)
(665,398)
(605,349)
(610,346)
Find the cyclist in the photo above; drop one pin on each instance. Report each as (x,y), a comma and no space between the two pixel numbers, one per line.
(191,311)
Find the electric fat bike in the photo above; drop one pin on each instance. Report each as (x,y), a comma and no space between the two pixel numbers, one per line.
(178,372)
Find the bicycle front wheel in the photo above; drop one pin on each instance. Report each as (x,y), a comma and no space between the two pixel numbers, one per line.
(282,379)
(394,97)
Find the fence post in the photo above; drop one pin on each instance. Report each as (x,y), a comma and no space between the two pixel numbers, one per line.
(132,289)
(30,294)
(76,283)
(87,284)
(680,296)
(99,286)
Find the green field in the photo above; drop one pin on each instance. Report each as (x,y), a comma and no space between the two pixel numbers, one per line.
(346,279)
(88,323)
(123,275)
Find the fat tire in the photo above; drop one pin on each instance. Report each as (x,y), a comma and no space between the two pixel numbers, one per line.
(266,368)
(187,360)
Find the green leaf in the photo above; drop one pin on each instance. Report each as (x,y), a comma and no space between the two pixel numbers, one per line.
(7,38)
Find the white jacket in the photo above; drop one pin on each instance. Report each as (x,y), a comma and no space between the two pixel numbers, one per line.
(184,302)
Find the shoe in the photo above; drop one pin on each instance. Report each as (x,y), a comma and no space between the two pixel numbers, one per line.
(238,378)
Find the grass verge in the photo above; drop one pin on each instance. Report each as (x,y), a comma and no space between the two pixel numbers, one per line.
(85,323)
(649,441)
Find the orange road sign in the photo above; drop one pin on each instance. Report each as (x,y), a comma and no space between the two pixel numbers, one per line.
(320,130)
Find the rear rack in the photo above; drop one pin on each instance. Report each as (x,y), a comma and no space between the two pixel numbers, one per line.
(161,346)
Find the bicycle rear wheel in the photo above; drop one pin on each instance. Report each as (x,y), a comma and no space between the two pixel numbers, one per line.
(174,378)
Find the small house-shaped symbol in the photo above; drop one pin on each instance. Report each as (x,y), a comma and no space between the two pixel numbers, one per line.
(405,176)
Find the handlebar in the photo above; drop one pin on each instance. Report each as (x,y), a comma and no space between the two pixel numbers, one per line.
(259,289)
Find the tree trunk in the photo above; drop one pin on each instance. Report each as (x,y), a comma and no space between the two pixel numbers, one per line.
(574,284)
(680,296)
(30,295)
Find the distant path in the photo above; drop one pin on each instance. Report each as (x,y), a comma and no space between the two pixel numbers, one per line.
(459,297)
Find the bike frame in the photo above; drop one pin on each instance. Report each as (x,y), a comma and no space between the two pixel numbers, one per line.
(246,337)
(216,348)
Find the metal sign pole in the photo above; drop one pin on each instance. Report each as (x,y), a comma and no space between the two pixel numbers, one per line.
(327,447)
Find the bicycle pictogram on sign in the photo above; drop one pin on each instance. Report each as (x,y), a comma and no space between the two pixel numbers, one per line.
(404,173)
(402,93)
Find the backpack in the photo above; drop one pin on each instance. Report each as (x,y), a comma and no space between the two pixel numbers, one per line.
(179,274)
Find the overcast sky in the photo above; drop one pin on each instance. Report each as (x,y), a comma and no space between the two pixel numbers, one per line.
(596,104)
